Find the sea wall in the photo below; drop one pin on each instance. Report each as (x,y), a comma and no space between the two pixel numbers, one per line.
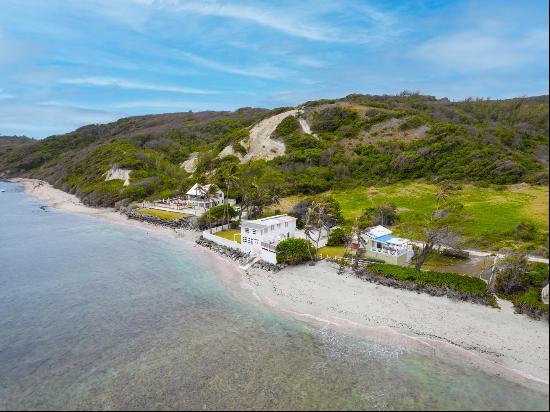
(184,223)
(237,255)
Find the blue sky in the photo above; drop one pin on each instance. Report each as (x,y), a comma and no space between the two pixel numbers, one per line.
(64,64)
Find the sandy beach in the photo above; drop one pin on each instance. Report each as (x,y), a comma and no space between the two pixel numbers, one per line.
(497,340)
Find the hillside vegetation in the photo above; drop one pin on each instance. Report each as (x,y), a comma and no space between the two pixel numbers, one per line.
(361,146)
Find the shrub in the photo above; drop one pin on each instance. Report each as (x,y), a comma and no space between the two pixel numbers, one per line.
(461,283)
(509,278)
(287,126)
(338,237)
(294,251)
(525,231)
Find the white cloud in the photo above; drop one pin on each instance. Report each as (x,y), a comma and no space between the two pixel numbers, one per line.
(478,49)
(48,119)
(128,84)
(177,105)
(265,71)
(303,20)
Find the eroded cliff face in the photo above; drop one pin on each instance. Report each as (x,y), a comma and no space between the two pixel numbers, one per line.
(116,173)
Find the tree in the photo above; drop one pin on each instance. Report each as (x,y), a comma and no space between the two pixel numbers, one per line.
(437,234)
(338,236)
(439,229)
(317,214)
(216,216)
(293,251)
(384,214)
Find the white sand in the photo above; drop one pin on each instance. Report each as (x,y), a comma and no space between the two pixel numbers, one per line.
(497,340)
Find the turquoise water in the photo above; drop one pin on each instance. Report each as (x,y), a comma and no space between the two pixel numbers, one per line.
(102,316)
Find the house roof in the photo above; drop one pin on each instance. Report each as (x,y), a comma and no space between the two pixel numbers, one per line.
(392,240)
(271,220)
(199,190)
(384,239)
(377,231)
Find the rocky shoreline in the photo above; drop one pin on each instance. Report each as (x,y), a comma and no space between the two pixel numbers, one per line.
(183,223)
(237,255)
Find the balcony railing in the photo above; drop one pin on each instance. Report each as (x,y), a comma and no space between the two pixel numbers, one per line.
(272,247)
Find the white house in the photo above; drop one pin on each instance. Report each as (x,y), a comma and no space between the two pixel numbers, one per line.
(381,245)
(204,196)
(260,237)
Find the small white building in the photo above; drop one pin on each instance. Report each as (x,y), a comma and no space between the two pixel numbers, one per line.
(381,245)
(260,237)
(204,196)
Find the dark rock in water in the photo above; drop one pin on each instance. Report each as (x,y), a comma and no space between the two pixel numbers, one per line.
(44,208)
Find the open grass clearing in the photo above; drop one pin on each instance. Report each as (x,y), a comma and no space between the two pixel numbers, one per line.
(491,213)
(163,214)
(230,234)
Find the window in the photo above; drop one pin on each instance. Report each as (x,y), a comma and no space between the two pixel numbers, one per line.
(253,231)
(272,228)
(278,225)
(246,230)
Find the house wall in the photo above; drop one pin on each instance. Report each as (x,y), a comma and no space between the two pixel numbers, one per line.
(253,234)
(268,256)
(393,259)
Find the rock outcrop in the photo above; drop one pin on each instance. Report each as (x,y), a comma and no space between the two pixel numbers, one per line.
(116,173)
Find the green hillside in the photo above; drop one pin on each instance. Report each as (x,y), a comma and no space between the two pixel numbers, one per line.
(357,142)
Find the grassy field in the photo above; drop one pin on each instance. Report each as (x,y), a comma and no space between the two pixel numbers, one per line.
(163,214)
(333,251)
(491,212)
(230,234)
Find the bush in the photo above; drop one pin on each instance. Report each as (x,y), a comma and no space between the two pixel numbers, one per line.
(294,251)
(530,303)
(461,283)
(337,237)
(525,231)
(509,277)
(287,126)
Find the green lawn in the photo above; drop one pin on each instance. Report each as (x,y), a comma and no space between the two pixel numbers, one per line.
(333,251)
(230,234)
(163,214)
(491,212)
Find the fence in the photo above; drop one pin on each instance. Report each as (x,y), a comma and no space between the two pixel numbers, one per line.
(217,229)
(346,261)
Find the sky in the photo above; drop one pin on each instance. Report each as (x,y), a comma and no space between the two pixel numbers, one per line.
(65,64)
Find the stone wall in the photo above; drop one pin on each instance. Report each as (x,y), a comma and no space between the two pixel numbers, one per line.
(183,223)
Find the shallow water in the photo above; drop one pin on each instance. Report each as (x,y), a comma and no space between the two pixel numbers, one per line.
(102,316)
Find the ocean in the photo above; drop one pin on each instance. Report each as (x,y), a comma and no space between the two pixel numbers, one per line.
(96,315)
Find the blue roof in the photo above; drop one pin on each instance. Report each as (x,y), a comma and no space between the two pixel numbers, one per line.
(384,238)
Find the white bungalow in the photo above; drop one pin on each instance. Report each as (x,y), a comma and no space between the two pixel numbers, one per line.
(380,244)
(260,237)
(204,196)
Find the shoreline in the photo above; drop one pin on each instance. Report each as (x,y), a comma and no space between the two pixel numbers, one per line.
(500,342)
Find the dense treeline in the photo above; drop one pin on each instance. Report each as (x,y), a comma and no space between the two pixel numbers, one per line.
(356,140)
